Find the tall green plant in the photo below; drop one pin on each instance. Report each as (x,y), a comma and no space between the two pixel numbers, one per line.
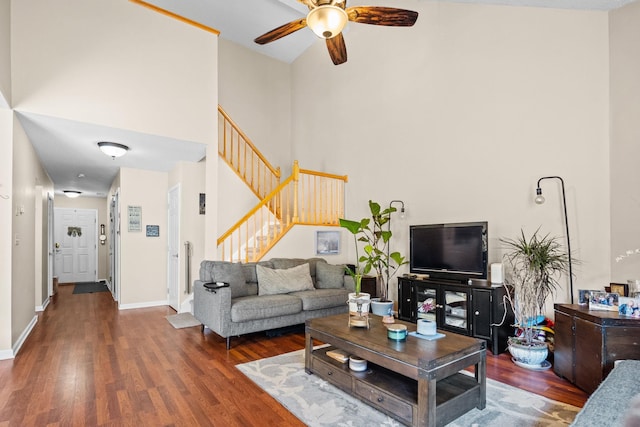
(376,240)
(532,268)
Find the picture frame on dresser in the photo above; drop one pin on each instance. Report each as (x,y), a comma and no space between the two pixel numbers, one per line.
(621,289)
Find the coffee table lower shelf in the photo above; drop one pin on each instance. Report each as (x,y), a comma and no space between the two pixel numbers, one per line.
(394,394)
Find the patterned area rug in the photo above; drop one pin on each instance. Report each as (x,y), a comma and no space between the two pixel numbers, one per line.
(183,320)
(317,403)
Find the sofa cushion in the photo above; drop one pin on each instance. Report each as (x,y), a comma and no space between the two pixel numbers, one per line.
(249,308)
(282,281)
(319,299)
(232,274)
(329,276)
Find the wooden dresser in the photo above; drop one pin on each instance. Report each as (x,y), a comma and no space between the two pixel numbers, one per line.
(587,342)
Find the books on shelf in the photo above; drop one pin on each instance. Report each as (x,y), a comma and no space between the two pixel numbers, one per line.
(339,355)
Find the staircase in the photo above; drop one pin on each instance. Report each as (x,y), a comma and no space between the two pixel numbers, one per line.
(304,198)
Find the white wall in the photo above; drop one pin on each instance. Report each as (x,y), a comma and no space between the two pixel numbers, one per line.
(625,134)
(461,114)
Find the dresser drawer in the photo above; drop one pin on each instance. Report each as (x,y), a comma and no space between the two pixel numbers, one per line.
(385,401)
(331,373)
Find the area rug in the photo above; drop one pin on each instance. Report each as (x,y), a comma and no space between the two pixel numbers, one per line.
(90,287)
(318,403)
(183,320)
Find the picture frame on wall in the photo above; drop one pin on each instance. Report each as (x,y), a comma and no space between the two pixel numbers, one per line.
(327,242)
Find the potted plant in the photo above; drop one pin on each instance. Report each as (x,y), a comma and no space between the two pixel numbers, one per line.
(532,268)
(376,256)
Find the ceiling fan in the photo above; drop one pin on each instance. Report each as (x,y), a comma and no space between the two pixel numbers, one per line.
(327,19)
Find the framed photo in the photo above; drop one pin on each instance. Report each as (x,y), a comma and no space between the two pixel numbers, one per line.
(583,296)
(629,307)
(621,289)
(153,231)
(604,301)
(327,242)
(134,218)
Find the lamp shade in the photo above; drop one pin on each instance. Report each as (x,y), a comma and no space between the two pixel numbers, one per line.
(327,21)
(113,149)
(72,194)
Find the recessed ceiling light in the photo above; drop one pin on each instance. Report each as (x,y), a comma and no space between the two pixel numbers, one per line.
(80,175)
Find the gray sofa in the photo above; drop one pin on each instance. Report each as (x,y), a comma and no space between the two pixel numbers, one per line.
(269,294)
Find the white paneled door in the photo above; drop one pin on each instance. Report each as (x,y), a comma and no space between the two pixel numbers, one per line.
(75,251)
(173,272)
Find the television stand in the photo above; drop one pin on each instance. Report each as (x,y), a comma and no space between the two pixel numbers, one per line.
(475,310)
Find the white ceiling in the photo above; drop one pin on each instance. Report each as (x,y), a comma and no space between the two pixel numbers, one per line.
(68,149)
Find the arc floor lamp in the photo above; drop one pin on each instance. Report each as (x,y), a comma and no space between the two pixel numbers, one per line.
(540,200)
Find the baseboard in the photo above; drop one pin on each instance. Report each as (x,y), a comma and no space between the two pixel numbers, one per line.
(187,305)
(6,354)
(43,307)
(24,335)
(142,305)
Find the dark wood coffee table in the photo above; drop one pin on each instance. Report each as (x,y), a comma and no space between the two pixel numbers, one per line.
(415,381)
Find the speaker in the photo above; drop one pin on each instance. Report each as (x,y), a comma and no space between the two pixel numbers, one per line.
(496,273)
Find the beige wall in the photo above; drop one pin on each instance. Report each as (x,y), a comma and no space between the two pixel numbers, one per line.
(114,63)
(625,137)
(5,53)
(143,259)
(190,178)
(101,205)
(6,239)
(255,91)
(29,183)
(459,116)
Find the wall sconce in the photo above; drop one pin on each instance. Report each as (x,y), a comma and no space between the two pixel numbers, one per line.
(540,200)
(103,236)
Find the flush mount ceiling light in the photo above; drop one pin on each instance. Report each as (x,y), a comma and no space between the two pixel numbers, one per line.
(72,194)
(113,149)
(327,21)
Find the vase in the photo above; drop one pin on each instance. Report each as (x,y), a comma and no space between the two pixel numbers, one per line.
(529,355)
(382,308)
(359,303)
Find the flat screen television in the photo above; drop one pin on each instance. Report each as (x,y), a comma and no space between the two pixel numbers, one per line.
(456,252)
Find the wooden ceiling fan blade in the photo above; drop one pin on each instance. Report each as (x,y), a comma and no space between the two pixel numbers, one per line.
(281,31)
(337,49)
(388,16)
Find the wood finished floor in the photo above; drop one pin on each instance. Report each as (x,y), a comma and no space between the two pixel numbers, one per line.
(88,364)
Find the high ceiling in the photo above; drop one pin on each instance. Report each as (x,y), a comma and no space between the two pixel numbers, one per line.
(68,149)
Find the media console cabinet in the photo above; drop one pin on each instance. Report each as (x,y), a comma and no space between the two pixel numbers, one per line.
(476,310)
(588,342)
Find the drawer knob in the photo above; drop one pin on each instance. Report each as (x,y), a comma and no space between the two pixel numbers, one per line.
(477,313)
(330,373)
(380,399)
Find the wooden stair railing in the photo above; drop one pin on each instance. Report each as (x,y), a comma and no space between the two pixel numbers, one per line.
(306,197)
(237,150)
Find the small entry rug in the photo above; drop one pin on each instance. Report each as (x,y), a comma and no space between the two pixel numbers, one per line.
(183,320)
(90,287)
(317,403)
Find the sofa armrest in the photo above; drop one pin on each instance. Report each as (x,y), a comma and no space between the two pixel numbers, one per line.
(212,309)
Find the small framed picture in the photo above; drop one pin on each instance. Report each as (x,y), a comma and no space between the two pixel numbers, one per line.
(603,301)
(327,242)
(621,289)
(583,296)
(629,307)
(153,231)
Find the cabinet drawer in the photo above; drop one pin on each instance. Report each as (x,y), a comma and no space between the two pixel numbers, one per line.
(333,374)
(385,401)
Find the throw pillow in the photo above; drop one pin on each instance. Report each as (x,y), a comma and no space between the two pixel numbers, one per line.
(282,281)
(329,276)
(231,273)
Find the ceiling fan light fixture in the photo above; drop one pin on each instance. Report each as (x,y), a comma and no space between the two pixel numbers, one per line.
(113,149)
(327,21)
(72,194)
